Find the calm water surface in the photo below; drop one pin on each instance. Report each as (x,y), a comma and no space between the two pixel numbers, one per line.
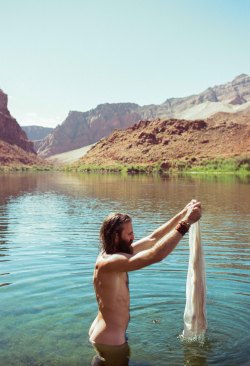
(49,226)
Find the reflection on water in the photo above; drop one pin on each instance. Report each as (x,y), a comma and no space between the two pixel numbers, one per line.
(49,225)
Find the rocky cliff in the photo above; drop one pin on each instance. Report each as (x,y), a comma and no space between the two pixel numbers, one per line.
(84,128)
(14,145)
(10,131)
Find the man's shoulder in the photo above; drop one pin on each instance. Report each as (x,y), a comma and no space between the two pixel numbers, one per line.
(111,257)
(104,258)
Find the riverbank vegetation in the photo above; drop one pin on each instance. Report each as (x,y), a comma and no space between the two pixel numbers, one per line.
(26,168)
(239,165)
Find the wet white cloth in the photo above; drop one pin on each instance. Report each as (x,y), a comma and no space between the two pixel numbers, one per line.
(195,322)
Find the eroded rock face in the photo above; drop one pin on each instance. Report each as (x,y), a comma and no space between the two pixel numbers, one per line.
(84,128)
(235,92)
(10,131)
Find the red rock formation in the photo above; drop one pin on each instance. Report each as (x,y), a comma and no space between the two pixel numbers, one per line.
(161,141)
(10,131)
(14,145)
(15,155)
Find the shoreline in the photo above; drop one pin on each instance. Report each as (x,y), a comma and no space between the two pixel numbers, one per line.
(218,166)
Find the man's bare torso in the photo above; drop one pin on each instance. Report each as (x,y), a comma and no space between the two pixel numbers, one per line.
(112,294)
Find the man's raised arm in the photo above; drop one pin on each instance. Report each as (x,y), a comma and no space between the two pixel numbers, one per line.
(122,262)
(150,240)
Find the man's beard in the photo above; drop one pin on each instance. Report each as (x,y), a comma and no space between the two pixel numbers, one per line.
(125,246)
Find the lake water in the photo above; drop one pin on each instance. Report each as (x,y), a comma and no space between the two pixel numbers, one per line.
(49,227)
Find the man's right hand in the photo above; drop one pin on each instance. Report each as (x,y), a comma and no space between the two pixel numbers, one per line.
(193,213)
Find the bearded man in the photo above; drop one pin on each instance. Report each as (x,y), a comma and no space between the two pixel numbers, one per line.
(119,255)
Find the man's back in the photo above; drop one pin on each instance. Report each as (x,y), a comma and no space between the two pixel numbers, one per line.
(112,294)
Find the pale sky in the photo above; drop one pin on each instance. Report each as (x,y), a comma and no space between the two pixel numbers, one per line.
(62,55)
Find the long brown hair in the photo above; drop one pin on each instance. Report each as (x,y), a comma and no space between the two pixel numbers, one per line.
(112,225)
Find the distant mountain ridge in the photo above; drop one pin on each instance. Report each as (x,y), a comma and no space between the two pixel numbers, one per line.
(233,92)
(230,97)
(81,129)
(36,132)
